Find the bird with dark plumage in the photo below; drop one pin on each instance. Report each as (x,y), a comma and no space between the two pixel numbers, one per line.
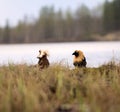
(43,61)
(79,59)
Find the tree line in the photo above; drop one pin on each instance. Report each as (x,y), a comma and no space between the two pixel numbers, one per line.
(111,16)
(59,26)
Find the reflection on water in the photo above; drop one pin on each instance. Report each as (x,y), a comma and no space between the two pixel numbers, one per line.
(96,53)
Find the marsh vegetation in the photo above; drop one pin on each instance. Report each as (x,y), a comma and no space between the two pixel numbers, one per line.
(58,88)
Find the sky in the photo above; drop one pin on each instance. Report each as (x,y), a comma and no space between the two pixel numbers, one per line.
(15,10)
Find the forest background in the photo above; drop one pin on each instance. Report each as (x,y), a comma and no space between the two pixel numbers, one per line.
(99,24)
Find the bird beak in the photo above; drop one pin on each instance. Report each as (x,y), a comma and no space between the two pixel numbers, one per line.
(37,57)
(73,53)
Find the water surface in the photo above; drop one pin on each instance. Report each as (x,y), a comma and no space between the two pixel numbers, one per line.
(96,53)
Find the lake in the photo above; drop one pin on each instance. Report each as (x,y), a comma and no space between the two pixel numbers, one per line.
(96,53)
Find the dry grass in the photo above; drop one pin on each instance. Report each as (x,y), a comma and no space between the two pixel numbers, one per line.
(60,89)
